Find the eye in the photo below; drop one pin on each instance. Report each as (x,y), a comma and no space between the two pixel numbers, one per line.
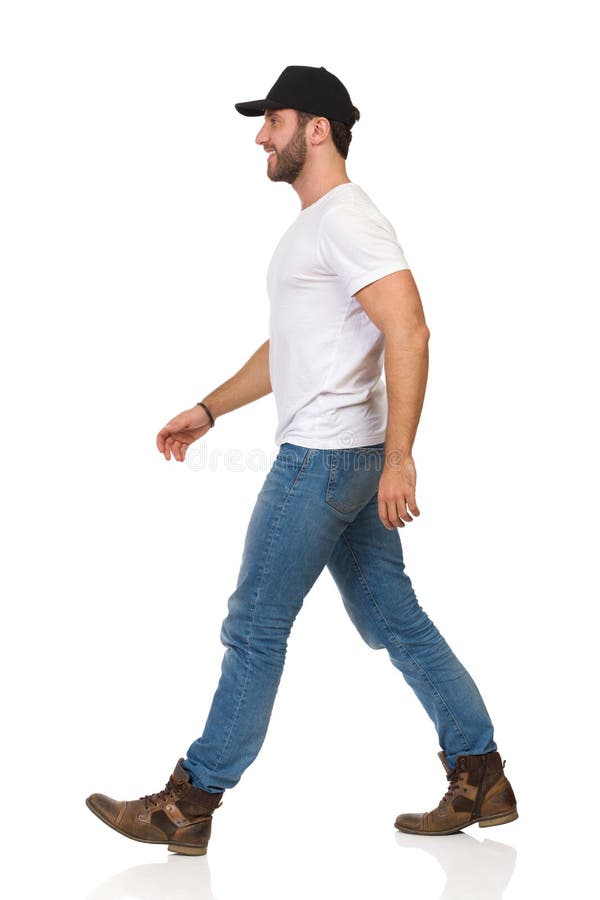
(273,119)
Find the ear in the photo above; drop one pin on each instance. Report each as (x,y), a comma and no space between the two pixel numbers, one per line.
(319,129)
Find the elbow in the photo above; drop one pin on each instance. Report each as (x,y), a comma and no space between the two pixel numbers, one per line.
(415,334)
(424,333)
(420,335)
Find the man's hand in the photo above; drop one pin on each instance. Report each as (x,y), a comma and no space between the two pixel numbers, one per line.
(180,432)
(396,493)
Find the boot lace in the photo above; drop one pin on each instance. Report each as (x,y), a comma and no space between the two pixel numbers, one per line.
(453,779)
(171,789)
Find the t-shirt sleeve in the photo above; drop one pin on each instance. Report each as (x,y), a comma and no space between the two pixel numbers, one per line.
(359,246)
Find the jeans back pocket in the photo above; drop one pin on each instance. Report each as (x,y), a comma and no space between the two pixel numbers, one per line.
(354,475)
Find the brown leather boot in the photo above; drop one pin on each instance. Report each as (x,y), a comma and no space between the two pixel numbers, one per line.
(478,792)
(180,815)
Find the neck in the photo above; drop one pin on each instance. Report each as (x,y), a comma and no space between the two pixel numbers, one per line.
(310,186)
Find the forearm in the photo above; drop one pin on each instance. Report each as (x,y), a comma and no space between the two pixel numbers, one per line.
(406,363)
(250,383)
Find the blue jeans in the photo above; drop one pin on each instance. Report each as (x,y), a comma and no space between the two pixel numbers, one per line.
(318,508)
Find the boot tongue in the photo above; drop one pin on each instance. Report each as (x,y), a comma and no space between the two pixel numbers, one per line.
(179,773)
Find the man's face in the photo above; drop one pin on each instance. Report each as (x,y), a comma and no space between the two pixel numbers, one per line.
(280,134)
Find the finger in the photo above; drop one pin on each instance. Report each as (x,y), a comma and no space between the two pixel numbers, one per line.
(409,505)
(181,450)
(162,436)
(402,512)
(396,518)
(412,505)
(383,514)
(393,516)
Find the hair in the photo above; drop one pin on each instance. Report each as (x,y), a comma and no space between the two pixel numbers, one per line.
(340,132)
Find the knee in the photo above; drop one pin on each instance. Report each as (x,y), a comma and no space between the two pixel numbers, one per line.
(234,631)
(372,639)
(267,647)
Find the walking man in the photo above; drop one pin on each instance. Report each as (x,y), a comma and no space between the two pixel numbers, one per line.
(343,305)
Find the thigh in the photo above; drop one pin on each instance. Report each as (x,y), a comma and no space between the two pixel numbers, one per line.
(307,500)
(292,531)
(367,565)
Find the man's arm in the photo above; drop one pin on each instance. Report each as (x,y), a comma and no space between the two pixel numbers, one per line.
(250,383)
(394,306)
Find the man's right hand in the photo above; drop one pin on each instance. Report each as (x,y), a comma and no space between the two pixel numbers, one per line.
(180,432)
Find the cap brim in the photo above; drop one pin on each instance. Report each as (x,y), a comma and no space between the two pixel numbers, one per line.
(257,107)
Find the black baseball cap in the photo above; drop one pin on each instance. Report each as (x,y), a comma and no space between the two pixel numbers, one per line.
(308,89)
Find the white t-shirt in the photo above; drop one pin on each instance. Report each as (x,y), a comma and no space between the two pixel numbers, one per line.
(325,354)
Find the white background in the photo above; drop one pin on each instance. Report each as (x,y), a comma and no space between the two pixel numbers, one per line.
(137,224)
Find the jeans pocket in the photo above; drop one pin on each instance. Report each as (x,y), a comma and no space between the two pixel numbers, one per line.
(354,475)
(292,456)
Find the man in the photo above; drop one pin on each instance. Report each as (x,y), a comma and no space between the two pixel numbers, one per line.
(343,302)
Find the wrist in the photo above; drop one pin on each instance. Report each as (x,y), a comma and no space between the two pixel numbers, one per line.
(396,456)
(209,413)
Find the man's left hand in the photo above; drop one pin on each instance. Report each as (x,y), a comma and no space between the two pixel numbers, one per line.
(396,493)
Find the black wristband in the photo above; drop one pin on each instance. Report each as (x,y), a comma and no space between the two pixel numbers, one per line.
(208,413)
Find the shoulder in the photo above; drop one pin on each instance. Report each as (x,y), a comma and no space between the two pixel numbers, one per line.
(353,212)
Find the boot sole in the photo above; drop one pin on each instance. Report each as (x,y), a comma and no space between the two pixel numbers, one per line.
(486,822)
(185,849)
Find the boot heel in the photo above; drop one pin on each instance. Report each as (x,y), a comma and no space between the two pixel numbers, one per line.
(500,820)
(187,851)
(192,840)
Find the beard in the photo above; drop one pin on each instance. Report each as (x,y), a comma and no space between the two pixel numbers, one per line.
(290,161)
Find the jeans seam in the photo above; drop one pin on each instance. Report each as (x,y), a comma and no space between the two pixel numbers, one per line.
(268,546)
(332,478)
(397,639)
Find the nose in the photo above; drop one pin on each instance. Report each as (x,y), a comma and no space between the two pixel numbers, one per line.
(261,137)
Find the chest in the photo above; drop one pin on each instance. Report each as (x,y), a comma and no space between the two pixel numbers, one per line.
(296,270)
